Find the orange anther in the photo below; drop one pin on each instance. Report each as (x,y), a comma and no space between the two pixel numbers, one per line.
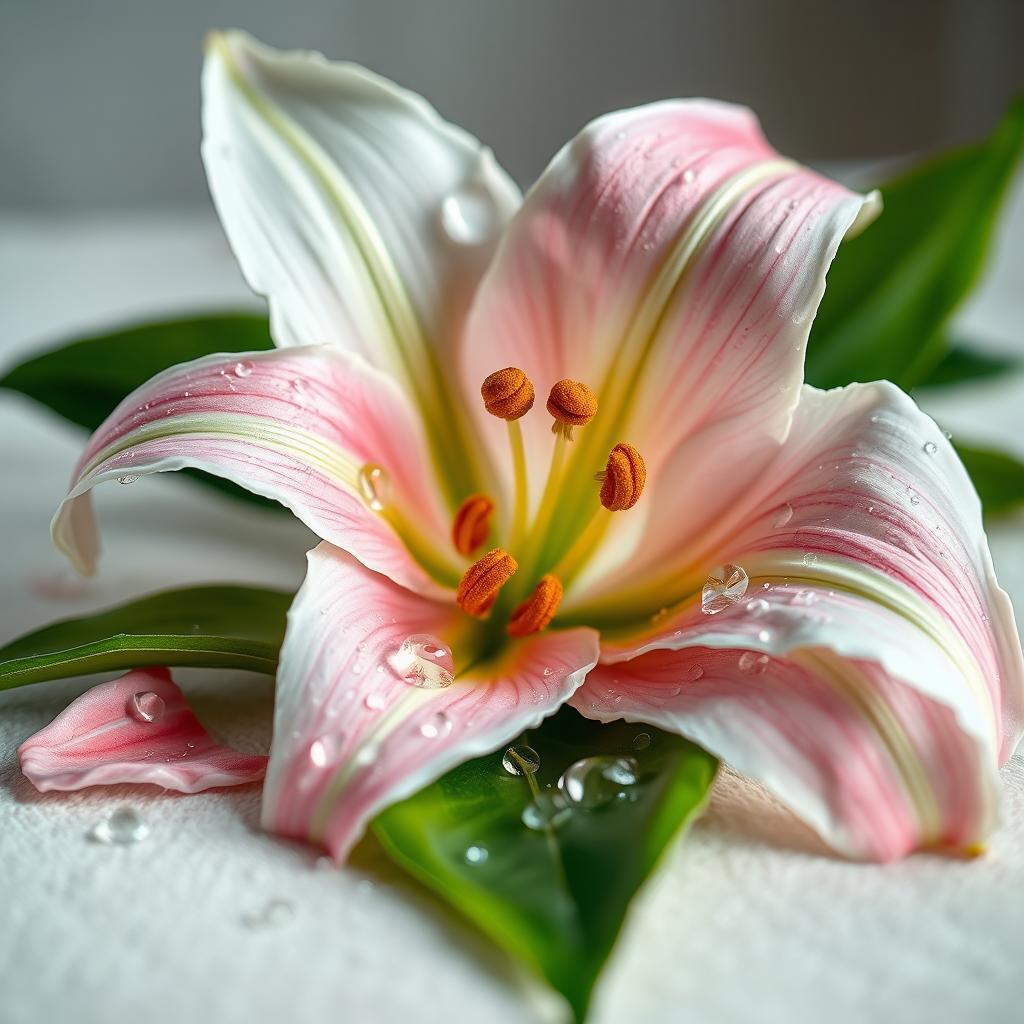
(507,393)
(623,479)
(472,523)
(538,609)
(481,582)
(572,404)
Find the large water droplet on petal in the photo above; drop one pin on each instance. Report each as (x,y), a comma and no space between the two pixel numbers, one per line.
(468,216)
(128,478)
(324,750)
(243,369)
(147,706)
(374,485)
(423,660)
(593,781)
(123,826)
(724,587)
(520,760)
(930,447)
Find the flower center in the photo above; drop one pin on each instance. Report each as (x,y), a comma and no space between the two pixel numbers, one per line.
(530,603)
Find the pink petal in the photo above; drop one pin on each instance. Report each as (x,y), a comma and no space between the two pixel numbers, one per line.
(351,736)
(869,571)
(302,426)
(134,729)
(670,259)
(808,726)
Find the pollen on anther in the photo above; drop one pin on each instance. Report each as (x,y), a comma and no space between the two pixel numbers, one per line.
(472,523)
(482,581)
(571,402)
(508,393)
(537,611)
(623,479)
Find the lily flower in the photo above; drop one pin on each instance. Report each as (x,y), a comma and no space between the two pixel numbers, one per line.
(797,580)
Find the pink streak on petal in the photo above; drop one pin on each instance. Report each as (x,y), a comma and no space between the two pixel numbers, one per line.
(580,261)
(809,742)
(294,425)
(98,740)
(345,718)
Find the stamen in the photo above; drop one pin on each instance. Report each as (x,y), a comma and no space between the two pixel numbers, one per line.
(538,610)
(472,523)
(481,582)
(507,394)
(572,404)
(623,479)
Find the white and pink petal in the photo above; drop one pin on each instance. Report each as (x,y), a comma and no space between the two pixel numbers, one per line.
(135,729)
(316,429)
(363,216)
(669,258)
(353,730)
(871,595)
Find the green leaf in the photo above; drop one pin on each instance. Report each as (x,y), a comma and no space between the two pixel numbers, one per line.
(891,290)
(962,364)
(208,627)
(556,898)
(83,381)
(998,477)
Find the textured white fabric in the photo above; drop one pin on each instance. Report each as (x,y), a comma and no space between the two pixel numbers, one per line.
(749,920)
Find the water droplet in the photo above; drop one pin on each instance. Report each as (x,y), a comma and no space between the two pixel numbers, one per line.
(930,447)
(424,661)
(147,706)
(128,478)
(468,216)
(436,726)
(753,663)
(692,673)
(947,435)
(243,369)
(374,485)
(764,635)
(273,914)
(724,587)
(757,607)
(809,558)
(593,781)
(805,597)
(783,515)
(547,670)
(641,741)
(477,855)
(123,826)
(374,701)
(915,498)
(546,809)
(519,759)
(324,750)
(688,175)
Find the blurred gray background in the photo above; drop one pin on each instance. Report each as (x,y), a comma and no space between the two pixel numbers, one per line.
(99,98)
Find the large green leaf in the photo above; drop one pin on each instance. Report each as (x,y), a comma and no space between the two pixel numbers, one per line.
(998,477)
(892,288)
(557,897)
(963,363)
(208,626)
(83,381)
